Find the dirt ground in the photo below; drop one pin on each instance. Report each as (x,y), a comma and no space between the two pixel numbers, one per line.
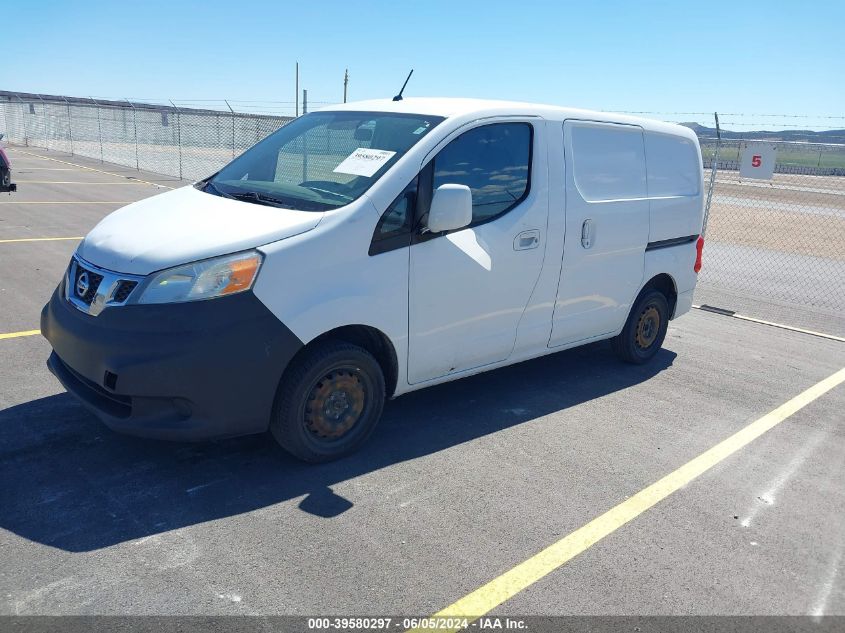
(793,214)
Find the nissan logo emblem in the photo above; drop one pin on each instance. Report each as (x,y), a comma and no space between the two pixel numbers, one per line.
(82,285)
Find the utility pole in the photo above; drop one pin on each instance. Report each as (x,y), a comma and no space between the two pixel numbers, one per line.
(297,89)
(345,83)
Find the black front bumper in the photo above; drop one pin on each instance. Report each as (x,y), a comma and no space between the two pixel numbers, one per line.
(183,371)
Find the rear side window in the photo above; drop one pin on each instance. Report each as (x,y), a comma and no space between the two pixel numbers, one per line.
(494,161)
(608,161)
(673,166)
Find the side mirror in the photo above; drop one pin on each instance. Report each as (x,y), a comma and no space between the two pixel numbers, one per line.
(451,208)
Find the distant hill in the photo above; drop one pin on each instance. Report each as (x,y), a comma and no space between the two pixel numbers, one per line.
(811,136)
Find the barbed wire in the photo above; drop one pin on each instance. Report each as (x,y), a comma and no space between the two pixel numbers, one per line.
(742,114)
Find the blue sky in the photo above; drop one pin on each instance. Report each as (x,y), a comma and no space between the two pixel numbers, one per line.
(739,56)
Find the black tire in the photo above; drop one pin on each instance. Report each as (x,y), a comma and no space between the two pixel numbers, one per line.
(331,379)
(645,329)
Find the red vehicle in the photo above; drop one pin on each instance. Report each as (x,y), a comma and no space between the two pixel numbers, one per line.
(6,183)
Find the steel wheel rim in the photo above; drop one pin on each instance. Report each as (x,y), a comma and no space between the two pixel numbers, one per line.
(648,327)
(335,404)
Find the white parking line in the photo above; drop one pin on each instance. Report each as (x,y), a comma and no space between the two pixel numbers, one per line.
(71,202)
(101,171)
(742,317)
(39,239)
(768,498)
(79,182)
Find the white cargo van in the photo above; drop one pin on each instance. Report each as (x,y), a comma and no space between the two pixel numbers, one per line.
(371,249)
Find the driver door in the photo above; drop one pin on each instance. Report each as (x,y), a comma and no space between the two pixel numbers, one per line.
(468,288)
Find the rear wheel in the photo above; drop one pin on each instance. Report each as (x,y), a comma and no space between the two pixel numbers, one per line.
(645,329)
(329,402)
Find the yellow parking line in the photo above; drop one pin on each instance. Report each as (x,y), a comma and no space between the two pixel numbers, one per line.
(489,596)
(39,239)
(65,162)
(20,334)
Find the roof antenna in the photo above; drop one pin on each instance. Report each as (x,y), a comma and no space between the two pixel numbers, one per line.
(399,96)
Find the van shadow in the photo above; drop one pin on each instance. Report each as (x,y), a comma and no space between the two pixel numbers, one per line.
(70,483)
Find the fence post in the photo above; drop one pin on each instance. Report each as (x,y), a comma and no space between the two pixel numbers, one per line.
(713,163)
(69,125)
(23,116)
(178,135)
(233,126)
(305,139)
(99,128)
(44,116)
(135,127)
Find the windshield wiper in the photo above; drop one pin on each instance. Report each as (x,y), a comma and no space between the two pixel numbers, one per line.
(265,199)
(260,198)
(251,196)
(331,193)
(214,190)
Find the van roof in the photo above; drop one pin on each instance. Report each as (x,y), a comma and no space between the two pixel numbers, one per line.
(456,107)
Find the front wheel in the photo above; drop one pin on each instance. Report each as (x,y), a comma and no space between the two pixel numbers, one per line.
(329,402)
(645,329)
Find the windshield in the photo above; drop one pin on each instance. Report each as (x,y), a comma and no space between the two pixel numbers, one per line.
(320,161)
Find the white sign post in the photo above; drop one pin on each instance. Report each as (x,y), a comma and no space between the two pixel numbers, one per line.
(757,160)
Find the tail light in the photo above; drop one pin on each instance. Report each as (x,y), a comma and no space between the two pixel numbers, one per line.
(699,247)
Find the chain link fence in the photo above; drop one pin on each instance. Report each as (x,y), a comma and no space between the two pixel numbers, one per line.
(174,140)
(775,248)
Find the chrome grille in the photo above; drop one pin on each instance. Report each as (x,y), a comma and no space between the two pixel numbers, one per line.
(85,284)
(92,289)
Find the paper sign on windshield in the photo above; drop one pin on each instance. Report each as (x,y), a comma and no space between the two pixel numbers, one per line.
(364,162)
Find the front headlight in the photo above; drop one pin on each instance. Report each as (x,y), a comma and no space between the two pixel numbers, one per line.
(205,279)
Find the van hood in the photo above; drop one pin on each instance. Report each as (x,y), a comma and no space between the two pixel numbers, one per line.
(186,225)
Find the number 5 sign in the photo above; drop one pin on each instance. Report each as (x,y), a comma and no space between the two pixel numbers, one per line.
(757,160)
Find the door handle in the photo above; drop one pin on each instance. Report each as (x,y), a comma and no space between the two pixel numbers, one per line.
(587,233)
(527,240)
